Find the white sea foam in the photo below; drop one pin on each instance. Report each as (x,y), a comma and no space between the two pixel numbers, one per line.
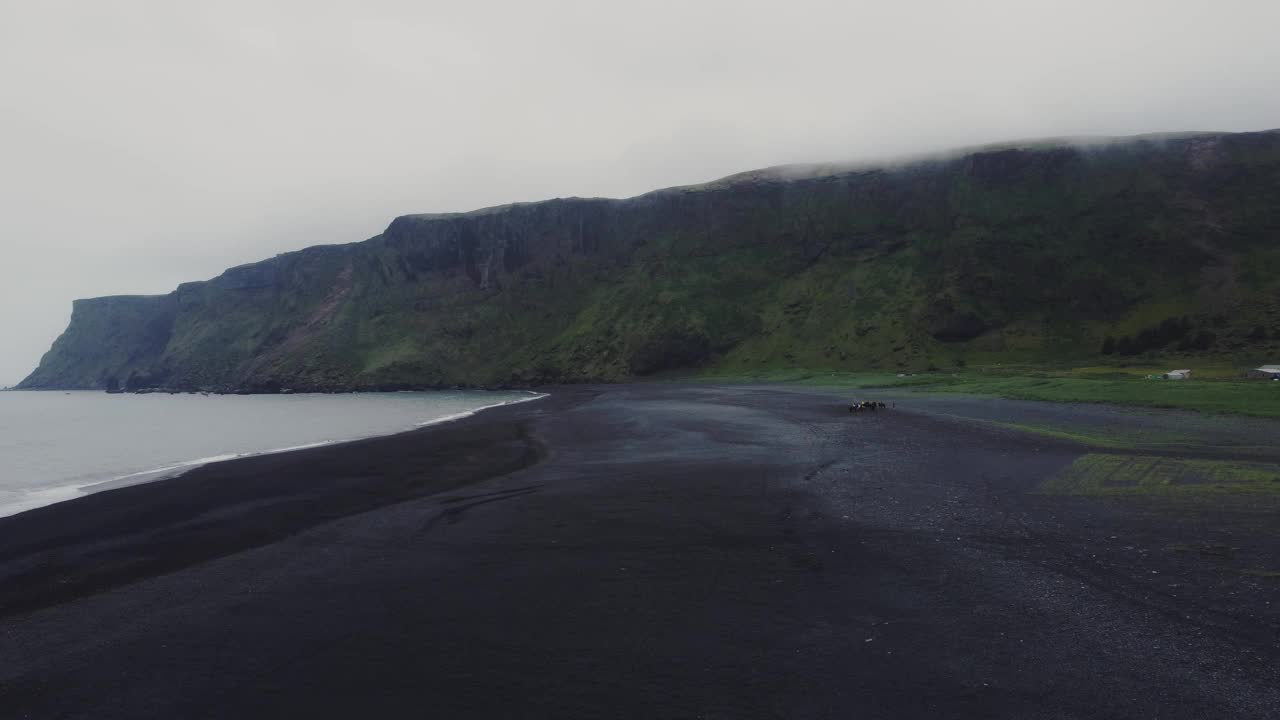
(469,413)
(138,426)
(14,503)
(168,470)
(189,464)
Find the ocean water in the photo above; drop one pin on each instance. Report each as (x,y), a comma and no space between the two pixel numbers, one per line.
(55,446)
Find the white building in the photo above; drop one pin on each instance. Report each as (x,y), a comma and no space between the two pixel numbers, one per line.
(1178,375)
(1266,372)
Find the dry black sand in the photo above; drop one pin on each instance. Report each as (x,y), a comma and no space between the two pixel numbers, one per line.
(648,552)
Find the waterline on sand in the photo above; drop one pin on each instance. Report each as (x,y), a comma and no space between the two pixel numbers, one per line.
(17,500)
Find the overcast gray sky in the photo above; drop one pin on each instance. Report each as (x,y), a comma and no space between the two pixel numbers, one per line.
(143,144)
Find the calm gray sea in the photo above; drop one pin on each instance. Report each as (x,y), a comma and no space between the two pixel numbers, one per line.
(58,445)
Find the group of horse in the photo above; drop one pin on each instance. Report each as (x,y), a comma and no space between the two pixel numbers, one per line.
(866,406)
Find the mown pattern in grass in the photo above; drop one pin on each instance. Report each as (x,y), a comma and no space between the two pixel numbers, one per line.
(1101,474)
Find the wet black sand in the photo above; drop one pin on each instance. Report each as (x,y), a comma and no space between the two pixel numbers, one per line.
(642,551)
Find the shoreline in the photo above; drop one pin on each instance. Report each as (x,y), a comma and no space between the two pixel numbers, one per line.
(70,491)
(178,469)
(306,487)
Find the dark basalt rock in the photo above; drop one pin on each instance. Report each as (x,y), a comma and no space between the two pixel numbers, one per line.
(959,327)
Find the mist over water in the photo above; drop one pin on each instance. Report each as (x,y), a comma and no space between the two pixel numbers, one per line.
(55,446)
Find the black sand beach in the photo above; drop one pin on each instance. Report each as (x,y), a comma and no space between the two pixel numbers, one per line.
(654,551)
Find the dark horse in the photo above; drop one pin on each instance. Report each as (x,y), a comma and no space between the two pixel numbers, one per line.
(866,405)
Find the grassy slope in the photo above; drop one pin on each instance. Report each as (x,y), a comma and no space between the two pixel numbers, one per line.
(1007,256)
(1047,258)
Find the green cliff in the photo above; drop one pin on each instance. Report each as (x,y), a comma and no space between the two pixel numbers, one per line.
(1016,253)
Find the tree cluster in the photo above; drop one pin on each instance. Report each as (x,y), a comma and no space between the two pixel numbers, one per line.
(1155,337)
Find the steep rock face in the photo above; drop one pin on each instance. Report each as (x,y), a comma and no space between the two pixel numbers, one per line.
(1008,253)
(105,335)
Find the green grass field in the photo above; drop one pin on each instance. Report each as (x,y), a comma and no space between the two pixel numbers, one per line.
(1134,475)
(1216,389)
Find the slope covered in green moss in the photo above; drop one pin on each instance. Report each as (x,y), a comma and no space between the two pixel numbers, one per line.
(1018,253)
